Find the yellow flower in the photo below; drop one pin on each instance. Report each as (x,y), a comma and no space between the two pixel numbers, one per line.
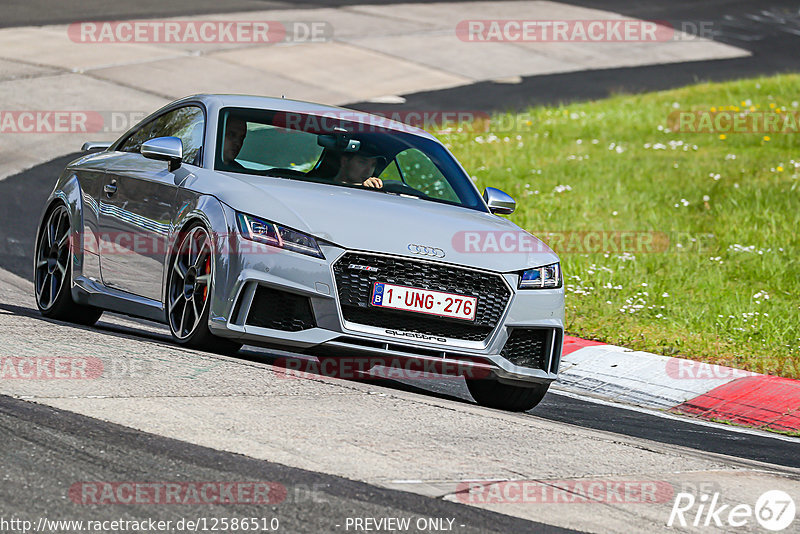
(772,105)
(713,109)
(752,108)
(780,169)
(744,103)
(735,108)
(722,136)
(777,110)
(766,138)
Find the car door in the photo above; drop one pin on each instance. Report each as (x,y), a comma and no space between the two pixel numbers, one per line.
(137,203)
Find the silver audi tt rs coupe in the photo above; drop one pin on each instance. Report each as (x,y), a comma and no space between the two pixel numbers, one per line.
(250,220)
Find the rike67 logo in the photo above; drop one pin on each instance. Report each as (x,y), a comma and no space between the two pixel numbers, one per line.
(774,510)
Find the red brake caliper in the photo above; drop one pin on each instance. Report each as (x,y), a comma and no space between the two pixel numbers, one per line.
(208,271)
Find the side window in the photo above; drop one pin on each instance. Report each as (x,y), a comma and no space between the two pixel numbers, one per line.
(186,123)
(419,172)
(134,142)
(250,142)
(391,172)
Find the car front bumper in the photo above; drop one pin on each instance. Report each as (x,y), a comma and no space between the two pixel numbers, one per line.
(255,270)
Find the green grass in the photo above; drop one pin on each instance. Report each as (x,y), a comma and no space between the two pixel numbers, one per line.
(703,300)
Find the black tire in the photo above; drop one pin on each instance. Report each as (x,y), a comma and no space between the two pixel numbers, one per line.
(494,394)
(52,271)
(191,272)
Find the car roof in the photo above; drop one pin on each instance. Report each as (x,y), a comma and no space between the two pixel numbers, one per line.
(299,106)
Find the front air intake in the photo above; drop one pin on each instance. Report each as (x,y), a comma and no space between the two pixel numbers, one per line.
(529,347)
(280,310)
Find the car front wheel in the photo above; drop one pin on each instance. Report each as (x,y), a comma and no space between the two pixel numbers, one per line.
(494,394)
(189,285)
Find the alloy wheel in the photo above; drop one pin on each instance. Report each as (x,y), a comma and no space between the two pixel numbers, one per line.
(52,257)
(189,284)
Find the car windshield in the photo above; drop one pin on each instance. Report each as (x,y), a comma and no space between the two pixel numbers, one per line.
(327,149)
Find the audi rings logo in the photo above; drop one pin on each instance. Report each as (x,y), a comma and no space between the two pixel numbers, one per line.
(426,251)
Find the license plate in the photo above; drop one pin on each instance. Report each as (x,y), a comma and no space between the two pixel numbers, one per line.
(424,301)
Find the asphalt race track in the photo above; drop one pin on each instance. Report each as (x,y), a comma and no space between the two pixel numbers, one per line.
(769,30)
(47,450)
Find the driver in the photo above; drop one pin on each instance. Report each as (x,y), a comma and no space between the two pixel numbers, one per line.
(357,168)
(235,132)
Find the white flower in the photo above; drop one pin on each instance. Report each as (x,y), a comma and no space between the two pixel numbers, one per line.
(665,295)
(579,141)
(562,188)
(706,198)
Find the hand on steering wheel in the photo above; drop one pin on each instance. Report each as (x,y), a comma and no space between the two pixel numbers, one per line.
(373,182)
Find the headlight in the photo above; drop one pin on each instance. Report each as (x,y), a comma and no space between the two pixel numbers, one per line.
(269,233)
(545,277)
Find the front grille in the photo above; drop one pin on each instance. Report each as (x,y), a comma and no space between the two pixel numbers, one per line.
(280,310)
(354,287)
(528,347)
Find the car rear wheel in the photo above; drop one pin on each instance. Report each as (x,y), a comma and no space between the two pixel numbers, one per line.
(494,394)
(189,285)
(53,272)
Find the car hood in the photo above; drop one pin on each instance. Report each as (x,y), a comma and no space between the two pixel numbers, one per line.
(366,220)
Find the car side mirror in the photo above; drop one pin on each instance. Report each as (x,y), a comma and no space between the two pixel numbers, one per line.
(498,201)
(169,149)
(95,145)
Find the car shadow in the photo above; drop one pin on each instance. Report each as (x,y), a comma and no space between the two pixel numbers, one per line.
(299,365)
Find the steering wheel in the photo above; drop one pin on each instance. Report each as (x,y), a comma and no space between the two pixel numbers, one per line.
(400,188)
